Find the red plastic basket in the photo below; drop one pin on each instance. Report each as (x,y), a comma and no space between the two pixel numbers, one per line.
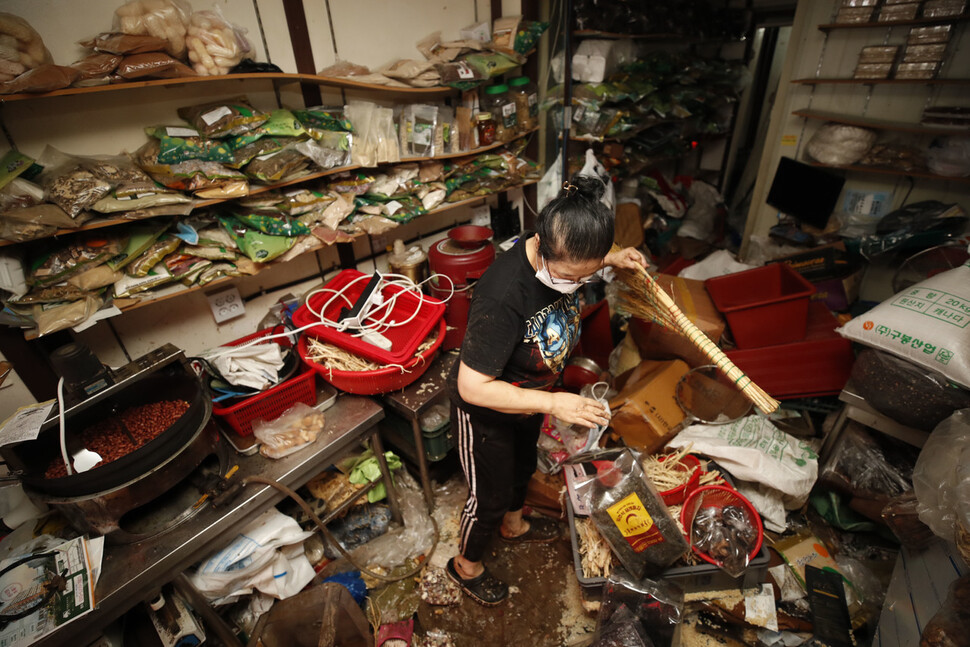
(677,495)
(763,306)
(271,403)
(382,380)
(719,496)
(404,339)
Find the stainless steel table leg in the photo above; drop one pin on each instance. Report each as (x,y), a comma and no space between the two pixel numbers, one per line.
(378,447)
(422,464)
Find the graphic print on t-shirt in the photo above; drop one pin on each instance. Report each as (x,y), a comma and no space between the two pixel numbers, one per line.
(554,330)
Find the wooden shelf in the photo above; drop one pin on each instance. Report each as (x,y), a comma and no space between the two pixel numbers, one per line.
(168,292)
(880,170)
(881,124)
(100,223)
(277,78)
(916,22)
(882,81)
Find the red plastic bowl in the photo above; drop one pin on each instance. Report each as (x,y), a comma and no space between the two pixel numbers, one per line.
(382,380)
(470,236)
(719,496)
(677,495)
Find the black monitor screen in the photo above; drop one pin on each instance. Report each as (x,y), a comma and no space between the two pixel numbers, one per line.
(805,192)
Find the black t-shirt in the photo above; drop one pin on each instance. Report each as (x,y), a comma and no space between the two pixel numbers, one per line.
(519,330)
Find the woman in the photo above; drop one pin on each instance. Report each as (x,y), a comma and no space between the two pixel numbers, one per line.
(523,323)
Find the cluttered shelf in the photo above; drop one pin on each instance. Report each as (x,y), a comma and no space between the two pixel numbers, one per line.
(822,81)
(891,171)
(882,124)
(916,22)
(100,223)
(278,78)
(180,290)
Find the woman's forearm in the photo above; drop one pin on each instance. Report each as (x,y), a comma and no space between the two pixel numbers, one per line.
(504,397)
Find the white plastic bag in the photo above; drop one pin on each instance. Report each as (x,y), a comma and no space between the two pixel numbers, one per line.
(941,478)
(928,324)
(753,449)
(214,45)
(550,184)
(593,168)
(267,555)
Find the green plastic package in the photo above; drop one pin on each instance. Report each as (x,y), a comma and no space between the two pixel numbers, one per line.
(259,247)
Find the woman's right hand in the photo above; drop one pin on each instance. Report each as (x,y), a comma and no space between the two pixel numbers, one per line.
(577,410)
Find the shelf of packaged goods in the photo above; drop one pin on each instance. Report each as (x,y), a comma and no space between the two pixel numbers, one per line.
(916,22)
(881,170)
(471,152)
(881,81)
(100,223)
(882,124)
(277,78)
(180,291)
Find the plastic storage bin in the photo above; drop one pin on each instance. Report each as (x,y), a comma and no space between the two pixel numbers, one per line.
(271,403)
(704,577)
(816,366)
(763,306)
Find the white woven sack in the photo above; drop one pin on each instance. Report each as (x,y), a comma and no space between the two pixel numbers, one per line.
(927,324)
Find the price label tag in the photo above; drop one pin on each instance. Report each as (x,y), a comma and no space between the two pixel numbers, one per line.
(226,304)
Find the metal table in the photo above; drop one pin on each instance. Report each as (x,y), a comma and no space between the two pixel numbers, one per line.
(415,399)
(133,573)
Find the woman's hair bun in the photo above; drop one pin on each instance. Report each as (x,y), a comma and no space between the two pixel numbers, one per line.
(588,186)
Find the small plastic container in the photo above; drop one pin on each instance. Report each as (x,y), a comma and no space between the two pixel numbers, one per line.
(497,101)
(764,306)
(525,94)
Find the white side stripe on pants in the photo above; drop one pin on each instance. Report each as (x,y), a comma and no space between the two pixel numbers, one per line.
(467,459)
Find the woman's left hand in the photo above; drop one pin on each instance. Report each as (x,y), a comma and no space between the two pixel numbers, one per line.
(627,258)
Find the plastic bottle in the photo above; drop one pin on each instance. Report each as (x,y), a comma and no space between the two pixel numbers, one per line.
(496,100)
(525,95)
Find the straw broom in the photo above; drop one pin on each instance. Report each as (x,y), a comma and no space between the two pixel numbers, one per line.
(642,297)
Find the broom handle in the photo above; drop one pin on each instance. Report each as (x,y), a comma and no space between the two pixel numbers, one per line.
(752,391)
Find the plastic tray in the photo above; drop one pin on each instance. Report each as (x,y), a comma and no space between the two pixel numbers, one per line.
(404,339)
(763,306)
(704,577)
(271,403)
(816,366)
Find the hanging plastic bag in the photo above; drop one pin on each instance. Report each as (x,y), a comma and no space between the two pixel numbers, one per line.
(550,184)
(593,168)
(941,480)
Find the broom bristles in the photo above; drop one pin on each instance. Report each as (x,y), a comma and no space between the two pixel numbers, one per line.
(642,297)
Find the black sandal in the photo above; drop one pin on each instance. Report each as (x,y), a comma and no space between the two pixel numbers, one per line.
(484,589)
(541,531)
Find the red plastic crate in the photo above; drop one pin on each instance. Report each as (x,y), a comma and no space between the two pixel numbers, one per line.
(763,306)
(404,339)
(816,366)
(273,402)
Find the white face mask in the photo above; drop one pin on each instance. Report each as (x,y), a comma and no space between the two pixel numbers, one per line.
(559,285)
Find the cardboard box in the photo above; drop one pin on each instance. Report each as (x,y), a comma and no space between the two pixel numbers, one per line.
(657,342)
(838,293)
(645,413)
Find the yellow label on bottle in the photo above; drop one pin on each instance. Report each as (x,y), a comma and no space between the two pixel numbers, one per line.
(634,522)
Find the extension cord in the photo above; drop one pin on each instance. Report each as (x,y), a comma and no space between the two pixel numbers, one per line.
(376,339)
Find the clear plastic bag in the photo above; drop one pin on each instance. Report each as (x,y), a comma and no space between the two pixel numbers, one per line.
(21,47)
(160,18)
(214,45)
(948,628)
(941,480)
(642,608)
(299,426)
(839,144)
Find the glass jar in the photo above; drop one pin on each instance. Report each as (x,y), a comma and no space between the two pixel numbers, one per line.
(496,100)
(485,126)
(525,95)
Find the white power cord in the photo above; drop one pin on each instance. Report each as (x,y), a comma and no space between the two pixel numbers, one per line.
(378,323)
(60,415)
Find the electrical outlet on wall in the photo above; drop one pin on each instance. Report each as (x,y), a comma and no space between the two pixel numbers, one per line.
(226,304)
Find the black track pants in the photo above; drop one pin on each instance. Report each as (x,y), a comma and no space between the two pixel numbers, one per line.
(498,459)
